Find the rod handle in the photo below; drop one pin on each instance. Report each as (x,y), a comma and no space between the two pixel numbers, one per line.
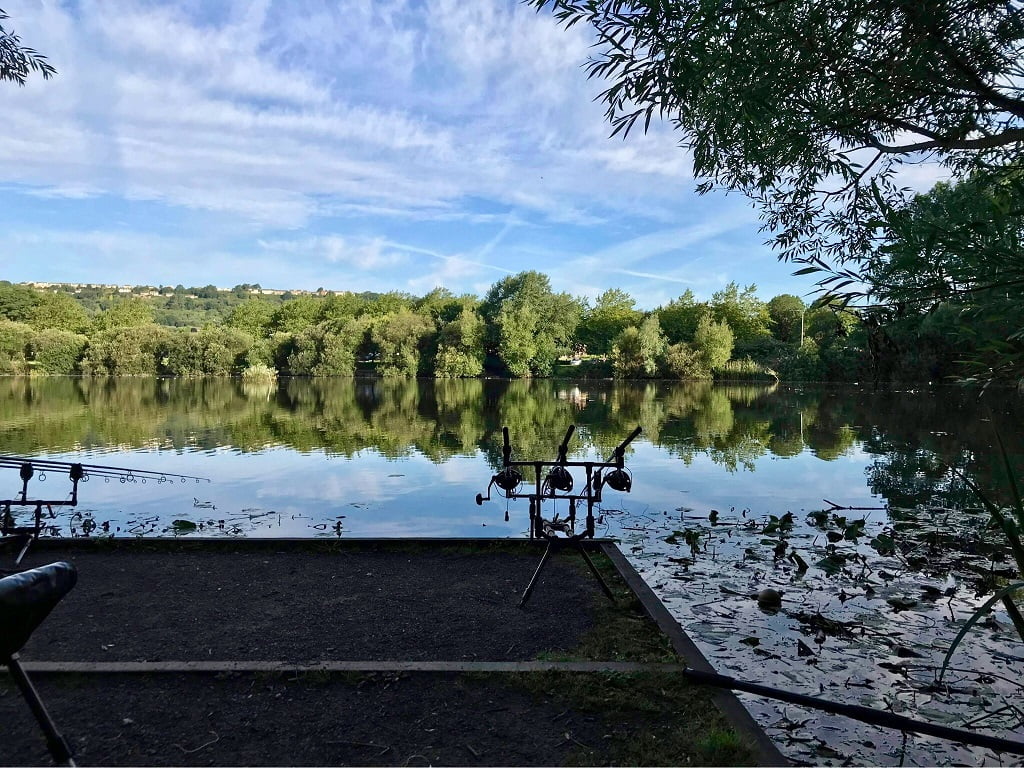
(632,436)
(506,448)
(563,449)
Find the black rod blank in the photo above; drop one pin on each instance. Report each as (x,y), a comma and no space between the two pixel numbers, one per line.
(100,470)
(857,712)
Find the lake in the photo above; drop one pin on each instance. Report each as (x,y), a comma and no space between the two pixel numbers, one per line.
(850,501)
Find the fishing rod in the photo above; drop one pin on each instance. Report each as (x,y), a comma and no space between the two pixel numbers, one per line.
(858,712)
(77,472)
(557,485)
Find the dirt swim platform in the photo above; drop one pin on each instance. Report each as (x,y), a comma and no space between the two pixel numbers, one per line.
(363,652)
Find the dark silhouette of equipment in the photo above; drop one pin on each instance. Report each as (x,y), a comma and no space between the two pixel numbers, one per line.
(557,485)
(77,473)
(26,599)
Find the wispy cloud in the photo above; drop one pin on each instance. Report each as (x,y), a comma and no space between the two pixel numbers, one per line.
(330,136)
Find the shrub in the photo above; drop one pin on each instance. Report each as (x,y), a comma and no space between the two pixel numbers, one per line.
(56,352)
(713,342)
(126,351)
(14,341)
(636,351)
(681,361)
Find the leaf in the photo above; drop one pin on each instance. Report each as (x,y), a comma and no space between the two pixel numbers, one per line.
(971,622)
(183,525)
(884,544)
(831,564)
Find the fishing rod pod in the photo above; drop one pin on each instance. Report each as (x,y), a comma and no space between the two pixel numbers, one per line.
(557,485)
(77,473)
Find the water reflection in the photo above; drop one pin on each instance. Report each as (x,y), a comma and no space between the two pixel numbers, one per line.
(351,457)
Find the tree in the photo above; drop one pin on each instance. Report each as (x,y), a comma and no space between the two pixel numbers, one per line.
(682,361)
(460,351)
(958,249)
(712,342)
(744,313)
(60,311)
(528,326)
(787,317)
(57,351)
(17,60)
(254,316)
(16,302)
(128,313)
(637,351)
(126,351)
(810,108)
(401,338)
(679,317)
(614,311)
(296,315)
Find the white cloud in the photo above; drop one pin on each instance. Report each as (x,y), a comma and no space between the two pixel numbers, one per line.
(310,140)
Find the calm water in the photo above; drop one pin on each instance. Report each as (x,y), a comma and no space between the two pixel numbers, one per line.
(887,586)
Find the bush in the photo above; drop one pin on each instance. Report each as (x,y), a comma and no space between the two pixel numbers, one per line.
(681,361)
(56,352)
(712,342)
(14,341)
(126,351)
(401,337)
(637,351)
(324,349)
(460,347)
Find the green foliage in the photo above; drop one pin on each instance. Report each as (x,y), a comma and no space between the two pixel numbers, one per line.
(460,347)
(810,109)
(56,351)
(614,311)
(745,314)
(787,317)
(803,364)
(296,315)
(126,351)
(401,338)
(637,351)
(744,370)
(259,372)
(680,316)
(951,266)
(682,361)
(209,352)
(528,326)
(254,316)
(386,304)
(16,302)
(326,349)
(17,60)
(14,342)
(125,313)
(59,311)
(712,341)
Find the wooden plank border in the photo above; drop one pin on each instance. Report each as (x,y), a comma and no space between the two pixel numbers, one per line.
(501,667)
(732,708)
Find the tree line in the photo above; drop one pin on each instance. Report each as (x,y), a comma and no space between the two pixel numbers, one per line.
(521,328)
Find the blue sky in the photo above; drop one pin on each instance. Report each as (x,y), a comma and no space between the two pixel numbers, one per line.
(360,146)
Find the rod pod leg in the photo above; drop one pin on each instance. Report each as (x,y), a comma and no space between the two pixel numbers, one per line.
(597,574)
(536,574)
(56,743)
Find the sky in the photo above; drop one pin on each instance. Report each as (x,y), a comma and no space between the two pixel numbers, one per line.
(364,146)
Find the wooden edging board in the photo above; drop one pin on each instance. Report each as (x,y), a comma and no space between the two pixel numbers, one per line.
(732,708)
